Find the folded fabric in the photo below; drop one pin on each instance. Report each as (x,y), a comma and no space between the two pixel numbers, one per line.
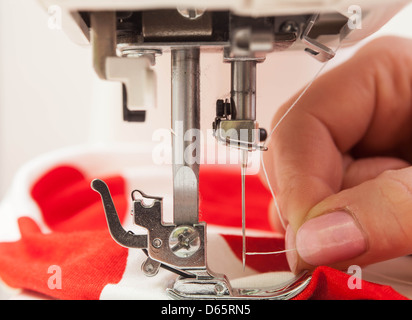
(54,238)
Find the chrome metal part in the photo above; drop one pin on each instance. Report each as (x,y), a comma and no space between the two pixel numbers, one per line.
(241,134)
(191,13)
(243,89)
(151,267)
(124,238)
(185,73)
(246,41)
(316,49)
(182,249)
(184,241)
(125,50)
(186,253)
(220,288)
(204,286)
(236,124)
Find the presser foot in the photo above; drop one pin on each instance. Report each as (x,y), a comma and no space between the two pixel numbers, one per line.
(182,250)
(216,288)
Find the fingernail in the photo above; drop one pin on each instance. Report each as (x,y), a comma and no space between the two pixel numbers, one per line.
(330,238)
(291,256)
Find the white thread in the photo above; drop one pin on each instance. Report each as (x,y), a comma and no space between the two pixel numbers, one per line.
(269,252)
(263,163)
(273,130)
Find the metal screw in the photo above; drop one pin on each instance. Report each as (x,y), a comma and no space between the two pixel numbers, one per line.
(191,13)
(219,289)
(130,51)
(289,26)
(184,241)
(150,267)
(157,243)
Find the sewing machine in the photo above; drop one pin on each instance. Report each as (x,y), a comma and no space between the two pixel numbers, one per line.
(127,35)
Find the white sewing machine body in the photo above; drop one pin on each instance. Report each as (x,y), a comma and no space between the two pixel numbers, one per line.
(127,36)
(74,19)
(378,12)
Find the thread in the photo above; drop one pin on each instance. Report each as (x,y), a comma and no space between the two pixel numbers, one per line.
(272,132)
(269,252)
(279,213)
(244,157)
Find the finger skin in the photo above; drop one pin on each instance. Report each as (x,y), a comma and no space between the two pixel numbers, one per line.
(382,209)
(361,108)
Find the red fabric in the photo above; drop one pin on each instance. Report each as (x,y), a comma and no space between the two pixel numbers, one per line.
(331,284)
(261,263)
(79,241)
(69,204)
(89,260)
(220,195)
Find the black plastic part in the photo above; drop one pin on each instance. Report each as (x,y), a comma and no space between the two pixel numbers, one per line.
(262,134)
(220,108)
(129,115)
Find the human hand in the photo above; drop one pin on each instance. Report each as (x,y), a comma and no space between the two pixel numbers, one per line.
(340,162)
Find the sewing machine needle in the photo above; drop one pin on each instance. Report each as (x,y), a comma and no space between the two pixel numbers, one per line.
(244,160)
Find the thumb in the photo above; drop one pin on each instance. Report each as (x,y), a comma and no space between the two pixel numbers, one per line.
(368,223)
